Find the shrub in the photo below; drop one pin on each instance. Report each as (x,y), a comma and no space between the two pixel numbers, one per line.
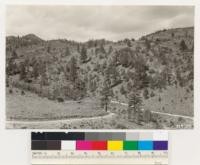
(147,116)
(121,126)
(22,93)
(152,94)
(159,124)
(10,91)
(122,90)
(180,119)
(191,87)
(154,117)
(60,99)
(172,124)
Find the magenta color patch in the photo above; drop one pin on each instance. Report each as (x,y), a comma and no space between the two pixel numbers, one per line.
(83,145)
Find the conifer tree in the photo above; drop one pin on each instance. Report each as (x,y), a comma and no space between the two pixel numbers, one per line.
(83,56)
(134,104)
(73,69)
(183,45)
(22,71)
(106,91)
(67,51)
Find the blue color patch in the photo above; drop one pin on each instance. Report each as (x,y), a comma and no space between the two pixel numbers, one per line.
(145,145)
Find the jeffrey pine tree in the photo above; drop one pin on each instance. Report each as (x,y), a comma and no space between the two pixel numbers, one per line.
(83,56)
(73,69)
(134,105)
(106,92)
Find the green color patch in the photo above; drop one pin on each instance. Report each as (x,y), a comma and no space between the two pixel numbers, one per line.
(130,145)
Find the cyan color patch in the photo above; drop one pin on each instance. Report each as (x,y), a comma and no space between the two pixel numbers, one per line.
(145,145)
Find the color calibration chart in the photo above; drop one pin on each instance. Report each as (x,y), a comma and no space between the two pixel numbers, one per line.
(96,148)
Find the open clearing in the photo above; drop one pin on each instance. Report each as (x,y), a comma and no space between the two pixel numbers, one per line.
(30,107)
(31,111)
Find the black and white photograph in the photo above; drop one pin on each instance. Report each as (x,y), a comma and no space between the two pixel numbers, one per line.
(99,67)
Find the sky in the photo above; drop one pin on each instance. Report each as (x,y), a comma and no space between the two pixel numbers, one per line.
(81,23)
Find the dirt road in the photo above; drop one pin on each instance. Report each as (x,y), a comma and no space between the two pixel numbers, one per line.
(54,124)
(161,113)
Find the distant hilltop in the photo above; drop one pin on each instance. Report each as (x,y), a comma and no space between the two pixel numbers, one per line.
(32,38)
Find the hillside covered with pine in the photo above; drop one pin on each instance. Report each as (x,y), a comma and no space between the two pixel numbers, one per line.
(154,72)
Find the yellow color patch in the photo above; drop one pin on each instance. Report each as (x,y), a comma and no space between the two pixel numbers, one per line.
(115,145)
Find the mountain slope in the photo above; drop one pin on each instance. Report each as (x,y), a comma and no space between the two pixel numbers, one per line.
(158,66)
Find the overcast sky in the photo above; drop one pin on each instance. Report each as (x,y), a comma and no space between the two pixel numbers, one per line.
(82,23)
